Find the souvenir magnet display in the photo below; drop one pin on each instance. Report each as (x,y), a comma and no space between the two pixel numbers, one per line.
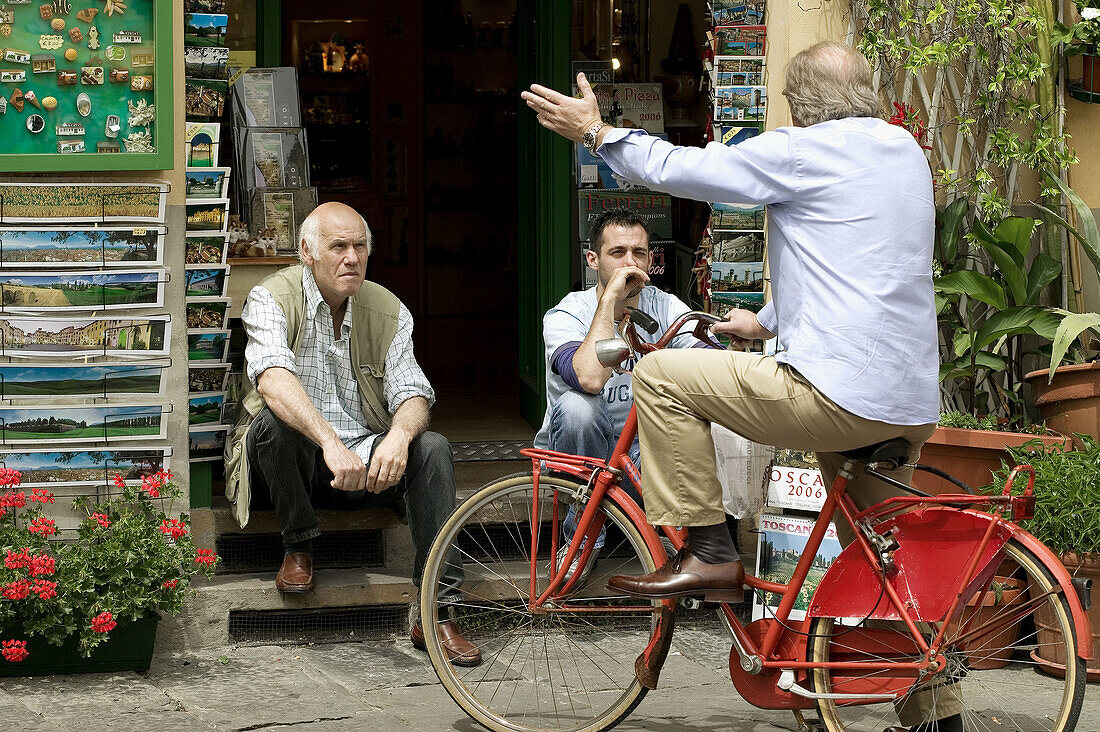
(49,104)
(93,38)
(87,14)
(35,123)
(83,104)
(112,126)
(32,98)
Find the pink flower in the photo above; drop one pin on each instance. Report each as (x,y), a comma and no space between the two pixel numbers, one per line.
(14,650)
(103,623)
(173,528)
(41,495)
(43,526)
(100,519)
(16,590)
(45,589)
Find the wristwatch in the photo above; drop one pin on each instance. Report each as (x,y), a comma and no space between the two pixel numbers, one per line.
(590,137)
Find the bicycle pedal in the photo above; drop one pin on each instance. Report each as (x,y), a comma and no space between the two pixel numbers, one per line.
(732,597)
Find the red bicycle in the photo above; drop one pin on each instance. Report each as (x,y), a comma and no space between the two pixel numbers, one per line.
(909,613)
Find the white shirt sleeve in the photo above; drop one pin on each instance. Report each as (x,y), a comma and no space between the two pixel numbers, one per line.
(265,325)
(760,170)
(767,319)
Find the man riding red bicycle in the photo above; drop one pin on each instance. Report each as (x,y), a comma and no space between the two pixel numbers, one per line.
(851,215)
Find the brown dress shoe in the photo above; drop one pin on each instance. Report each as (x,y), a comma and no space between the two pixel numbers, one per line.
(685,575)
(460,651)
(296,574)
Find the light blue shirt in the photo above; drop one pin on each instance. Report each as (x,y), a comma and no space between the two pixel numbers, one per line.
(851,226)
(569,322)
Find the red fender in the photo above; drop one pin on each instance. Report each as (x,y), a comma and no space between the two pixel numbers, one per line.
(935,546)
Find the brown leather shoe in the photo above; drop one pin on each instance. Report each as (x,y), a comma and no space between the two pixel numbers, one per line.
(685,575)
(460,651)
(296,574)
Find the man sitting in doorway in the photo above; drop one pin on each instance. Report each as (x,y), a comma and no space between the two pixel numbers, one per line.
(586,402)
(341,407)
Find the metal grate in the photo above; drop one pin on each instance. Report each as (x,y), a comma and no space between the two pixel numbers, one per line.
(264,552)
(319,625)
(467,452)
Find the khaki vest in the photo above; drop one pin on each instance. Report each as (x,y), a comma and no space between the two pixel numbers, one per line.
(374,311)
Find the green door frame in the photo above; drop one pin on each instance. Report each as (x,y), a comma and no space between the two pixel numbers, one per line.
(545,193)
(269,33)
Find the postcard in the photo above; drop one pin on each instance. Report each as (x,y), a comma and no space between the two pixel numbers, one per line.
(85,467)
(31,202)
(737,276)
(736,103)
(731,134)
(723,302)
(109,246)
(204,6)
(99,423)
(207,377)
(738,71)
(204,97)
(208,215)
(85,336)
(736,216)
(206,182)
(66,291)
(207,312)
(737,246)
(201,144)
(203,248)
(737,12)
(208,281)
(782,539)
(206,442)
(205,408)
(208,345)
(206,62)
(30,381)
(204,29)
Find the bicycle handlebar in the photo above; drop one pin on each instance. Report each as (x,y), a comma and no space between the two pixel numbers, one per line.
(703,321)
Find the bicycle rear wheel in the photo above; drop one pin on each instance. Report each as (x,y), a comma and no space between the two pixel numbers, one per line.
(568,669)
(1014,696)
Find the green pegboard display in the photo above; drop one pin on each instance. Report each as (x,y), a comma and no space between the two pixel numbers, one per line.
(115,57)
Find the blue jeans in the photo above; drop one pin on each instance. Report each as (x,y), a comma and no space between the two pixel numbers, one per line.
(580,424)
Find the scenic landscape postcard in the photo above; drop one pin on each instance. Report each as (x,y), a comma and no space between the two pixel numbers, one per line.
(23,381)
(85,336)
(736,276)
(27,203)
(208,312)
(207,346)
(205,377)
(85,467)
(109,246)
(207,182)
(782,539)
(205,443)
(210,281)
(205,408)
(64,291)
(100,423)
(203,248)
(737,246)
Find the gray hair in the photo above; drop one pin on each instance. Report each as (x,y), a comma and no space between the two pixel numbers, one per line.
(827,81)
(310,233)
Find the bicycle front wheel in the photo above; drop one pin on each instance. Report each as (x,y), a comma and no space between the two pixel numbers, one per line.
(569,666)
(992,677)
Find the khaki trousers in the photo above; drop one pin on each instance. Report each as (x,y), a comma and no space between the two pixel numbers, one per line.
(679,392)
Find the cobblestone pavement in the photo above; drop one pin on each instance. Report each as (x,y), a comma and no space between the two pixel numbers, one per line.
(373,685)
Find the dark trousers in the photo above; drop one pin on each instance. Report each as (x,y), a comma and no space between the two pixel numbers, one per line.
(294,471)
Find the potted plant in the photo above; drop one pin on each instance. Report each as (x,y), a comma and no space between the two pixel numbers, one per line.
(988,293)
(96,596)
(1067,393)
(1067,519)
(1081,38)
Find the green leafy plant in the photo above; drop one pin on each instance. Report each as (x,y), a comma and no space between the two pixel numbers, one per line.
(1067,515)
(1082,36)
(988,293)
(129,559)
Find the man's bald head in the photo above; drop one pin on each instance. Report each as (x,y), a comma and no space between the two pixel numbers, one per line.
(830,81)
(325,217)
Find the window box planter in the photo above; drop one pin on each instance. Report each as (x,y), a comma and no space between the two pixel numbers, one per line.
(1071,402)
(972,456)
(128,648)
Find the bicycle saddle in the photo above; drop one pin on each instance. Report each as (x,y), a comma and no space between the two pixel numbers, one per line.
(889,454)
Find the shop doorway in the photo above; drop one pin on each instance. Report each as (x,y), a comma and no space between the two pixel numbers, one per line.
(410,112)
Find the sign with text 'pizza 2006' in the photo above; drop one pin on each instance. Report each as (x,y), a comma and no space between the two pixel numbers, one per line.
(798,488)
(655,208)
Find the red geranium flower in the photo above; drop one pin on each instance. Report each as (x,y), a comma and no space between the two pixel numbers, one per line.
(173,528)
(16,590)
(171,584)
(118,481)
(41,495)
(43,526)
(42,564)
(14,650)
(10,476)
(103,623)
(206,556)
(100,519)
(11,499)
(45,589)
(18,559)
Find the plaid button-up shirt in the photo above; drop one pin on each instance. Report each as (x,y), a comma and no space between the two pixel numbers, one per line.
(323,365)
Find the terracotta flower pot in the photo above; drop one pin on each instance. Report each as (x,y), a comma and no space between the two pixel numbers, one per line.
(972,456)
(1049,655)
(994,648)
(1071,402)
